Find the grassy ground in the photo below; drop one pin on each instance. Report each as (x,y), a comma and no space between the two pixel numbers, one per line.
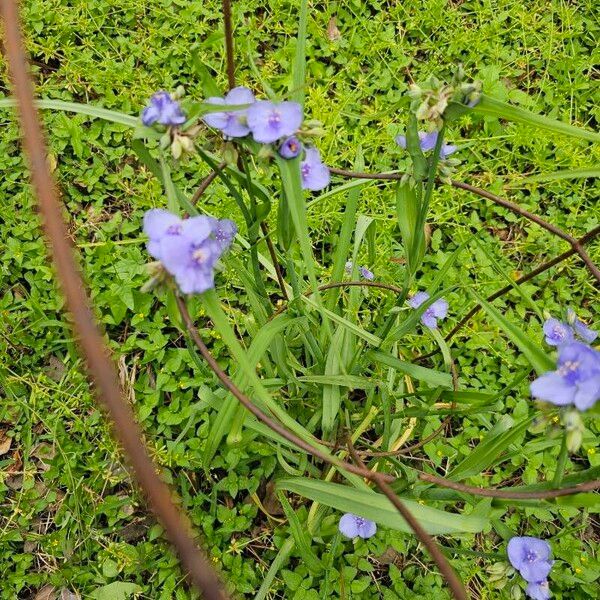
(68,514)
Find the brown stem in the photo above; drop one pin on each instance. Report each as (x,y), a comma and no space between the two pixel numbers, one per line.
(524,278)
(273,254)
(229,43)
(206,182)
(454,583)
(575,244)
(99,365)
(511,495)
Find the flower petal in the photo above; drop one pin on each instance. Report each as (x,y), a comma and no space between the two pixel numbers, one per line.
(239,95)
(588,393)
(418,299)
(348,525)
(539,590)
(440,308)
(157,221)
(551,387)
(367,529)
(428,140)
(429,319)
(401,141)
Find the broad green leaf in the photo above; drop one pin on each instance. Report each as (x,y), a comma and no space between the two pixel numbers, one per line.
(486,453)
(496,108)
(118,590)
(538,359)
(378,508)
(434,378)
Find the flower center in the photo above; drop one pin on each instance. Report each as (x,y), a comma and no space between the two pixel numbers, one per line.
(305,170)
(360,522)
(569,366)
(530,556)
(174,229)
(199,256)
(275,119)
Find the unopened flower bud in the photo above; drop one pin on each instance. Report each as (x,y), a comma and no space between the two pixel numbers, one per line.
(230,154)
(176,148)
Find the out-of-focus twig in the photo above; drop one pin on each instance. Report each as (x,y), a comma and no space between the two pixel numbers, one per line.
(100,366)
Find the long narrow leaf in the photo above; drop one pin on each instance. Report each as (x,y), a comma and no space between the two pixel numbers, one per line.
(378,508)
(490,106)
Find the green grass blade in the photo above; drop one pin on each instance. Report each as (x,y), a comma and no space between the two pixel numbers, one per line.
(342,247)
(586,172)
(434,378)
(378,508)
(299,68)
(301,536)
(496,108)
(82,109)
(276,564)
(538,359)
(498,439)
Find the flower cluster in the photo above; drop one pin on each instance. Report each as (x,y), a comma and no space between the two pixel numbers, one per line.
(576,379)
(188,248)
(353,526)
(558,332)
(437,310)
(531,557)
(269,123)
(362,271)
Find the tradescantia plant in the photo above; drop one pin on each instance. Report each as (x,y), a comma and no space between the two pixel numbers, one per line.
(307,345)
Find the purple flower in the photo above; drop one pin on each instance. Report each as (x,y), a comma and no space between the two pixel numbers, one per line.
(539,590)
(438,310)
(270,121)
(354,526)
(366,274)
(315,175)
(581,329)
(557,332)
(575,381)
(224,232)
(428,142)
(188,248)
(164,110)
(290,147)
(233,122)
(363,271)
(531,557)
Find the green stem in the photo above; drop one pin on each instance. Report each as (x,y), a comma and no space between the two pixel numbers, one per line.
(561,463)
